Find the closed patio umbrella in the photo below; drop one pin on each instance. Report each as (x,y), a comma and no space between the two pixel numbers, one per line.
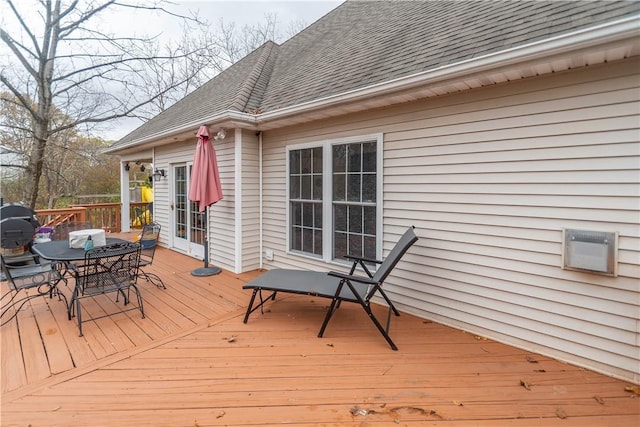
(205,189)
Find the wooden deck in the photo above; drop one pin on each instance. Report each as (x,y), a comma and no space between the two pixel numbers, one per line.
(192,362)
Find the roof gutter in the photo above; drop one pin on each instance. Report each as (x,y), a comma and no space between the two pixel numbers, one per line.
(221,117)
(586,38)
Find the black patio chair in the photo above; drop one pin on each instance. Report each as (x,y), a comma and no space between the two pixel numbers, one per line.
(335,285)
(148,242)
(106,269)
(62,230)
(27,281)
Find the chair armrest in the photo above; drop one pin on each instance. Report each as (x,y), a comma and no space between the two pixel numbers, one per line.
(358,258)
(30,275)
(360,279)
(79,269)
(20,260)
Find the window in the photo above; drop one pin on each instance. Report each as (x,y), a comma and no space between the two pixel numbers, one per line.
(305,200)
(354,200)
(334,189)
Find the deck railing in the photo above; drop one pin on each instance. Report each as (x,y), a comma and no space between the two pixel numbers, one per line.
(100,215)
(53,217)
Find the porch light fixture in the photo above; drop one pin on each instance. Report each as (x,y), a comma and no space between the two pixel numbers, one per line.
(159,174)
(126,166)
(221,134)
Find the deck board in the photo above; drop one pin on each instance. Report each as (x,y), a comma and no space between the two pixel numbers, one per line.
(192,361)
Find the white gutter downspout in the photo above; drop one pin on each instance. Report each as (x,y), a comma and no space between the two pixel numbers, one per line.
(238,198)
(260,202)
(125,202)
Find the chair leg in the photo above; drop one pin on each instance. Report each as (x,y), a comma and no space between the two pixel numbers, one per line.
(335,302)
(137,291)
(125,296)
(14,303)
(379,326)
(153,279)
(389,303)
(71,305)
(251,308)
(61,297)
(79,316)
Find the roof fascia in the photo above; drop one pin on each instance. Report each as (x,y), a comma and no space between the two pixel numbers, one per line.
(227,118)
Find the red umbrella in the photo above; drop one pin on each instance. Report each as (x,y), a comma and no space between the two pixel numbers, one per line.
(205,189)
(204,186)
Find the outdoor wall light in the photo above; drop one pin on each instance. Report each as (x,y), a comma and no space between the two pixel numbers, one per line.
(159,174)
(221,134)
(126,166)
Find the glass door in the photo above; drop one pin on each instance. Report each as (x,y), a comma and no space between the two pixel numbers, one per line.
(189,226)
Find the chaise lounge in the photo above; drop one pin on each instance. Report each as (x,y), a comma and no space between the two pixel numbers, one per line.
(335,285)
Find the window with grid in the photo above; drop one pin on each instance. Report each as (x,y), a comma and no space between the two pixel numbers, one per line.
(305,200)
(354,206)
(334,188)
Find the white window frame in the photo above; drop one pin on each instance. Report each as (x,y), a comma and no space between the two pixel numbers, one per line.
(327,194)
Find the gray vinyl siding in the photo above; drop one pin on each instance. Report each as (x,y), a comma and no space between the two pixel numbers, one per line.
(274,204)
(222,220)
(165,157)
(490,177)
(250,242)
(221,215)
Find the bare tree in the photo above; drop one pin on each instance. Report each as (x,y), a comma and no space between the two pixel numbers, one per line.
(62,60)
(67,75)
(217,48)
(71,162)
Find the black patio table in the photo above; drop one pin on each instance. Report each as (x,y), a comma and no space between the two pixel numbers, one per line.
(59,250)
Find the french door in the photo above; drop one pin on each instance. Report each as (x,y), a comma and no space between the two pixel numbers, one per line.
(188,224)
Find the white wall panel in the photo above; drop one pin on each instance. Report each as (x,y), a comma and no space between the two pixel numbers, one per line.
(490,177)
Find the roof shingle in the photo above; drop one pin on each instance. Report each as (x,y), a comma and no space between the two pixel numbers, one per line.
(362,43)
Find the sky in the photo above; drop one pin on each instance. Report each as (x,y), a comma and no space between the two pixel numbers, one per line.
(239,12)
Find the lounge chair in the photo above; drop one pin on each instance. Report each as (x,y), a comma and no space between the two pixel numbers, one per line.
(337,286)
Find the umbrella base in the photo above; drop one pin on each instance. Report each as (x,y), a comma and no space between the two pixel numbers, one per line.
(206,271)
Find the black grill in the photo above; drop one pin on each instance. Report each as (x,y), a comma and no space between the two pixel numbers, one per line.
(18,226)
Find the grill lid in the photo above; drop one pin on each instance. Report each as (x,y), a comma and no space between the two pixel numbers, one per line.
(16,232)
(19,211)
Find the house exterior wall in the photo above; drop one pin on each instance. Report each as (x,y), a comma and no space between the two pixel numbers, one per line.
(222,243)
(165,157)
(222,220)
(249,244)
(490,177)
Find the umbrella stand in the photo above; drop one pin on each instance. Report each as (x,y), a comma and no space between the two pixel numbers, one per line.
(206,270)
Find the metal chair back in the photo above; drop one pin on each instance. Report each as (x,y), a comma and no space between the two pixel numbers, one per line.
(148,244)
(61,231)
(106,269)
(26,281)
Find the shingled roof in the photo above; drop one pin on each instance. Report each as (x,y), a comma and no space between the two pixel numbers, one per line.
(364,43)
